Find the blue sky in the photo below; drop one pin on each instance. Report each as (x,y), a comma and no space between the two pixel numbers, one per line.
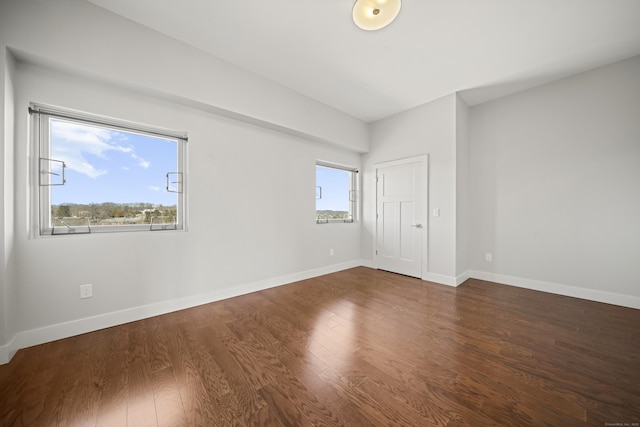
(335,185)
(105,165)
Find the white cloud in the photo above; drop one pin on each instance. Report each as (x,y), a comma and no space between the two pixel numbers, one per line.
(78,140)
(155,188)
(89,170)
(144,164)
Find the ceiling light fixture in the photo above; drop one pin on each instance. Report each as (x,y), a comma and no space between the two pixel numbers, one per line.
(372,15)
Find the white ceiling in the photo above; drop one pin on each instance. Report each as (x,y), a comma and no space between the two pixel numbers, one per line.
(483,48)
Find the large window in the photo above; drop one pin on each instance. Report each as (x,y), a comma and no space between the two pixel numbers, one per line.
(336,193)
(103,175)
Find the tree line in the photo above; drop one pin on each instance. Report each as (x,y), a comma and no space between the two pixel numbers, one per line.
(330,214)
(108,210)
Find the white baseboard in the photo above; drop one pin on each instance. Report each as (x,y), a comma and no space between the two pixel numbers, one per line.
(441,279)
(556,288)
(461,278)
(58,331)
(446,280)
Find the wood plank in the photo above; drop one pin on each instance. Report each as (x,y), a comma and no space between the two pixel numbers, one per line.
(166,395)
(112,405)
(141,409)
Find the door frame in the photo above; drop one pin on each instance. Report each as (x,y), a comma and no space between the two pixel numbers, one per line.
(424,160)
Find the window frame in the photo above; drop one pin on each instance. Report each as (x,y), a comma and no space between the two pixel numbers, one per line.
(353,196)
(41,199)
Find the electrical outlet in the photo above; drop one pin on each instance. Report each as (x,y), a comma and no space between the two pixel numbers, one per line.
(330,252)
(488,257)
(86,291)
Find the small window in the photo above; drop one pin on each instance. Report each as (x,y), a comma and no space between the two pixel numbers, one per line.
(99,175)
(336,193)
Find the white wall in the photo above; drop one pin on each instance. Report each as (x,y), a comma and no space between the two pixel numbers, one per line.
(82,38)
(252,149)
(8,285)
(427,129)
(462,190)
(251,218)
(555,186)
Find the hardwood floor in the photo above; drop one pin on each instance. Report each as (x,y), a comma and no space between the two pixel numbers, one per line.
(355,348)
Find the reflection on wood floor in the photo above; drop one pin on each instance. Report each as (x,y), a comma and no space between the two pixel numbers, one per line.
(355,348)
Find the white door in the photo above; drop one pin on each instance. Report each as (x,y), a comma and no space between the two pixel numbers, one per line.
(400,206)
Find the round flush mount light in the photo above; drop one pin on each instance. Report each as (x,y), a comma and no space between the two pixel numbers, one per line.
(372,15)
